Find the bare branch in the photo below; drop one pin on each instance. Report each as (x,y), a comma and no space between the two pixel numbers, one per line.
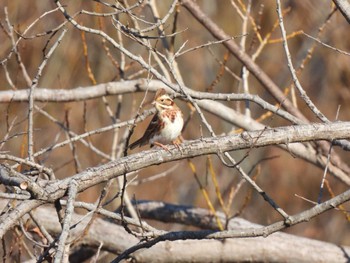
(62,252)
(344,8)
(31,91)
(297,84)
(188,149)
(116,55)
(243,57)
(249,232)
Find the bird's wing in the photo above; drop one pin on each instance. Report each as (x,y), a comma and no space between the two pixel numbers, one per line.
(149,133)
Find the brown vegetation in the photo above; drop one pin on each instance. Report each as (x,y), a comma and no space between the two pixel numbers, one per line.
(73,67)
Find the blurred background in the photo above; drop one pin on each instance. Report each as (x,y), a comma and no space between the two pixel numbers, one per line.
(325,76)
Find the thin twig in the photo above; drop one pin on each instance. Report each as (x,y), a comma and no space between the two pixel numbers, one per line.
(327,164)
(62,249)
(255,232)
(31,95)
(297,84)
(326,45)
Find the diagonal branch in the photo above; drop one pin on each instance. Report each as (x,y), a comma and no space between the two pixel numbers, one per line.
(31,91)
(249,232)
(63,248)
(344,8)
(259,74)
(228,251)
(92,176)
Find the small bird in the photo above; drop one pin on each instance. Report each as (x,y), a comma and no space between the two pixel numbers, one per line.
(165,126)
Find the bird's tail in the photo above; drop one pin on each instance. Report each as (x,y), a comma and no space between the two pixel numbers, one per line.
(136,143)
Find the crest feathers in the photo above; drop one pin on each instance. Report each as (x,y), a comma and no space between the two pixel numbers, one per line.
(160,92)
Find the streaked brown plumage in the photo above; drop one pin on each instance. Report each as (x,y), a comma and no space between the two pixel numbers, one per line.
(165,126)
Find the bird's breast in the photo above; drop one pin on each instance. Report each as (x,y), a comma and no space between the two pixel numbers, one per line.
(172,126)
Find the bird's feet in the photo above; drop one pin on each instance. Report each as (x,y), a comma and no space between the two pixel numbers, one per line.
(162,146)
(176,142)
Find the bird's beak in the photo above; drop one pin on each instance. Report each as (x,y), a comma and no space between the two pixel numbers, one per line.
(153,103)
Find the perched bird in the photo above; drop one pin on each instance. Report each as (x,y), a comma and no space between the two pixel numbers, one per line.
(165,126)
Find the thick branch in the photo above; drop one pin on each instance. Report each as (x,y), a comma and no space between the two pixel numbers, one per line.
(130,86)
(246,140)
(100,230)
(272,248)
(204,99)
(240,230)
(277,248)
(210,145)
